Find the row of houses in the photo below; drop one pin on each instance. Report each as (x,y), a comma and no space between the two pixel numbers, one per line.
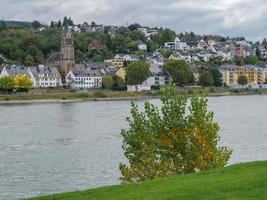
(225,51)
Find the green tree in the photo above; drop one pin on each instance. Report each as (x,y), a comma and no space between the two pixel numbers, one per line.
(217,77)
(251,60)
(151,46)
(119,83)
(107,82)
(36,24)
(7,83)
(179,71)
(206,79)
(171,142)
(242,80)
(137,72)
(29,61)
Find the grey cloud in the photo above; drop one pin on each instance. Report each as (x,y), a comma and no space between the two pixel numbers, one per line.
(228,17)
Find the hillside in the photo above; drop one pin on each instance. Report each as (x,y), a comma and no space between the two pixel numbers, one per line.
(242,181)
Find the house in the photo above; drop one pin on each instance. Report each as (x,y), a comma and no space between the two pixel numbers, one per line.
(98,46)
(115,62)
(121,73)
(42,76)
(159,76)
(177,45)
(82,78)
(154,58)
(127,57)
(202,44)
(181,56)
(13,71)
(141,46)
(53,60)
(148,32)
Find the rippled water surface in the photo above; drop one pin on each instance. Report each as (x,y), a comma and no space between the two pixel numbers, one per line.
(51,148)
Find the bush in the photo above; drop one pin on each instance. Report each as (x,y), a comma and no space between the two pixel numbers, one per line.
(171,142)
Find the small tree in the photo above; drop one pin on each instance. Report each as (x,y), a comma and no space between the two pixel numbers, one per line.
(179,71)
(107,82)
(171,142)
(23,82)
(206,79)
(119,83)
(7,83)
(242,80)
(29,61)
(137,72)
(217,77)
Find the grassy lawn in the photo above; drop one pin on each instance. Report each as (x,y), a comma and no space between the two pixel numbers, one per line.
(237,182)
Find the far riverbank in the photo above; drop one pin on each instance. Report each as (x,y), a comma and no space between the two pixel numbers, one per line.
(105,95)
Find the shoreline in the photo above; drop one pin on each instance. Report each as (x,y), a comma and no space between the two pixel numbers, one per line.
(95,99)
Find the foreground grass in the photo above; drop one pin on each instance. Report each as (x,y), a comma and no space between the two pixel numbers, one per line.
(238,182)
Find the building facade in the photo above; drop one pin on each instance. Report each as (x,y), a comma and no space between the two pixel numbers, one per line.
(80,78)
(45,76)
(256,76)
(67,60)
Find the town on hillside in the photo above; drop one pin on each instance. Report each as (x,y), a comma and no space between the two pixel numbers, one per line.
(92,56)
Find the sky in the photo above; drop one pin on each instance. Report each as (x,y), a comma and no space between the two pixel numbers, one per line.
(223,17)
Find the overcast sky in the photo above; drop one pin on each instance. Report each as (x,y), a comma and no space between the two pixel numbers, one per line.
(225,17)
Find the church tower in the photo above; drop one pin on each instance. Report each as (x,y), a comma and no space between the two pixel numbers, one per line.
(67,60)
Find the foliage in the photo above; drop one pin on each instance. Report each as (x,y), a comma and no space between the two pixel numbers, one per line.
(242,80)
(107,82)
(179,71)
(206,79)
(119,83)
(251,60)
(137,72)
(217,77)
(23,82)
(29,61)
(36,24)
(171,142)
(7,83)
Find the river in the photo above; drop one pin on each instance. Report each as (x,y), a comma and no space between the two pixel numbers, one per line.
(53,148)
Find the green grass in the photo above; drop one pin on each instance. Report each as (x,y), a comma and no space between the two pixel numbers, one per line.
(237,182)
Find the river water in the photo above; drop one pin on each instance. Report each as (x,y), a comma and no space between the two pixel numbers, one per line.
(52,148)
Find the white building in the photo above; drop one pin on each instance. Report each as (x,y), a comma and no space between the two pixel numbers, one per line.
(13,71)
(159,76)
(45,76)
(80,78)
(177,45)
(141,46)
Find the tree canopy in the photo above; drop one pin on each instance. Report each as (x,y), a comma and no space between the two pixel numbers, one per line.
(179,71)
(137,72)
(242,80)
(206,79)
(173,141)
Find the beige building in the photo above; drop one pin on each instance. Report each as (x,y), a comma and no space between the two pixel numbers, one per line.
(256,76)
(115,62)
